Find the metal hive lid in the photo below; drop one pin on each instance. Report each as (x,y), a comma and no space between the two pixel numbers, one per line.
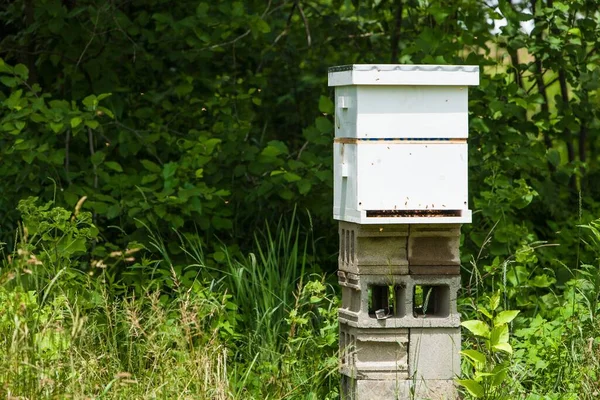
(403,74)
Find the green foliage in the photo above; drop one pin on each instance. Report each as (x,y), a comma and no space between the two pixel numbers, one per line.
(178,333)
(201,120)
(489,364)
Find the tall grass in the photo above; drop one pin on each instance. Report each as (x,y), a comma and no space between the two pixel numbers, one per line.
(71,327)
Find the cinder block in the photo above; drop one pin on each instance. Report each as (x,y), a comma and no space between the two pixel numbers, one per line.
(373,249)
(373,353)
(434,269)
(394,296)
(434,353)
(434,245)
(359,389)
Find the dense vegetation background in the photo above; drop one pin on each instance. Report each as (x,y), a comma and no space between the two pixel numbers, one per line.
(200,134)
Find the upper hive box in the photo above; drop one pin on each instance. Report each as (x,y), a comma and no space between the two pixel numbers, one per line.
(400,150)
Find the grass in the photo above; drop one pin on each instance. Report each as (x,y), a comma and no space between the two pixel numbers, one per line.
(259,326)
(70,329)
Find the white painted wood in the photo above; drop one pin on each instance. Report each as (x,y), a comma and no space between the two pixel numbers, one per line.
(400,175)
(401,112)
(400,154)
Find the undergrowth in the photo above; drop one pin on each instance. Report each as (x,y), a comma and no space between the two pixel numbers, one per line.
(555,340)
(137,324)
(71,327)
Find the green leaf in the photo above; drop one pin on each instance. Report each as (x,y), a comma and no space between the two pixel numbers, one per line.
(169,170)
(505,347)
(324,125)
(500,372)
(9,81)
(478,328)
(499,335)
(22,71)
(484,311)
(474,355)
(56,127)
(553,157)
(542,281)
(262,26)
(495,301)
(504,317)
(13,101)
(90,102)
(106,111)
(92,123)
(103,96)
(325,105)
(474,388)
(150,166)
(304,186)
(115,166)
(75,122)
(97,158)
(291,177)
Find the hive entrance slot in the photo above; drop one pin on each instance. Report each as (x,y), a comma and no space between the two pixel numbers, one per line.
(431,301)
(413,213)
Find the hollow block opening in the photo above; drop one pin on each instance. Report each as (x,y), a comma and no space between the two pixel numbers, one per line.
(431,301)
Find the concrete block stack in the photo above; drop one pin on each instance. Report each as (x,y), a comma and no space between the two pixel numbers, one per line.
(400,195)
(399,326)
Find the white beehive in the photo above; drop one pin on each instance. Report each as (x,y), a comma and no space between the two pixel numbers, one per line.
(400,149)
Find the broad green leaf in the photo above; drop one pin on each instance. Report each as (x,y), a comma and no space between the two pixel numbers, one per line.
(75,122)
(505,347)
(262,26)
(478,328)
(495,301)
(474,388)
(542,281)
(92,123)
(304,186)
(324,125)
(13,101)
(325,105)
(484,311)
(474,355)
(115,166)
(98,157)
(499,335)
(9,81)
(291,177)
(56,127)
(504,317)
(103,96)
(106,111)
(4,67)
(150,166)
(169,170)
(499,372)
(553,157)
(22,71)
(90,102)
